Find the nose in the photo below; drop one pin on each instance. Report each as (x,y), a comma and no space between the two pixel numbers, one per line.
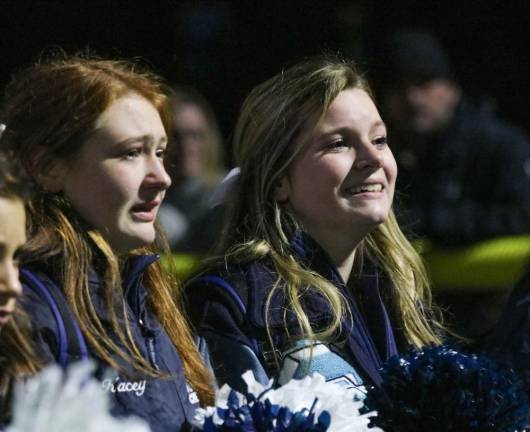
(10,286)
(157,176)
(368,156)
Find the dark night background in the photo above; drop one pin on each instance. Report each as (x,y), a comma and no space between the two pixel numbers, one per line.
(224,48)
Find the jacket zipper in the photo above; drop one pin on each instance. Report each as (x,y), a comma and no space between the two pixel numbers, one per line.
(150,344)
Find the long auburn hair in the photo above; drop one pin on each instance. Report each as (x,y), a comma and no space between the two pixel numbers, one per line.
(17,355)
(50,109)
(273,115)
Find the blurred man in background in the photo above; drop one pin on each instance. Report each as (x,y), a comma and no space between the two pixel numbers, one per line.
(195,165)
(464,173)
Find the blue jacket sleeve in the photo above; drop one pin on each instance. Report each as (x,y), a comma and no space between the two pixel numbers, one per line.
(218,320)
(44,327)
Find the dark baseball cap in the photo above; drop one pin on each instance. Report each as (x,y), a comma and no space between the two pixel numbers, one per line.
(414,55)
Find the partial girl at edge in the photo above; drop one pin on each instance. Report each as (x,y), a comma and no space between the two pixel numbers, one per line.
(92,135)
(18,359)
(313,272)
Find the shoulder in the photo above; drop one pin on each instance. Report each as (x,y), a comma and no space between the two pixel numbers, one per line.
(39,301)
(37,287)
(238,290)
(226,287)
(489,128)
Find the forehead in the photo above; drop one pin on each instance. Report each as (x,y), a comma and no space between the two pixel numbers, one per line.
(12,219)
(130,114)
(351,108)
(189,115)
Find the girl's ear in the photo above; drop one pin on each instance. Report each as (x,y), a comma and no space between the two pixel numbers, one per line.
(282,190)
(51,175)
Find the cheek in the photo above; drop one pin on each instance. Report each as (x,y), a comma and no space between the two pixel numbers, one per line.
(324,175)
(391,172)
(99,194)
(314,186)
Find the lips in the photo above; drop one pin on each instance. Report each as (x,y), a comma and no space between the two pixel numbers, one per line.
(364,188)
(5,316)
(146,211)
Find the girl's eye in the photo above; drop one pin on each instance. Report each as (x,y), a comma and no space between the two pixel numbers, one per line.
(336,145)
(161,153)
(381,141)
(132,153)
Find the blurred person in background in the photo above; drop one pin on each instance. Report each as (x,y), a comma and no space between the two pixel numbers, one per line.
(464,172)
(195,165)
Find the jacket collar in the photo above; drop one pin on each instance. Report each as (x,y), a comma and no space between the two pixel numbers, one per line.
(369,338)
(133,288)
(310,253)
(134,267)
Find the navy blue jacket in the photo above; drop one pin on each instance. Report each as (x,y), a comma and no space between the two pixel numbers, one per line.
(235,325)
(167,404)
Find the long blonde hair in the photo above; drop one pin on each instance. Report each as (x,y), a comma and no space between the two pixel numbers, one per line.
(272,117)
(50,109)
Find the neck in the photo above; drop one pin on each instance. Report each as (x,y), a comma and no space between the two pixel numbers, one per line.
(344,264)
(341,251)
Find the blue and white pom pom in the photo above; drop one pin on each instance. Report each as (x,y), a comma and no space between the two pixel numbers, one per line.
(307,405)
(441,389)
(57,401)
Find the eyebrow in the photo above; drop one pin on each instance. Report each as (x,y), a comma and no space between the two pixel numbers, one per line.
(377,124)
(145,139)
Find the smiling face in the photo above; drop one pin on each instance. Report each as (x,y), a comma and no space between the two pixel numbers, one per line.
(341,185)
(12,237)
(117,180)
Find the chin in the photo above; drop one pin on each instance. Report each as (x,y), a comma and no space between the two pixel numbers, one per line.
(132,241)
(372,222)
(144,241)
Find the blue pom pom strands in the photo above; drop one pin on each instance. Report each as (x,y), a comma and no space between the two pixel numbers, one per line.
(258,415)
(310,404)
(441,389)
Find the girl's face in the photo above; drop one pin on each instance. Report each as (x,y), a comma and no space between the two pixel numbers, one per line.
(117,180)
(341,185)
(12,237)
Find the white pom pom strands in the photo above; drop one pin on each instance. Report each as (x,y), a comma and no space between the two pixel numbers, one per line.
(71,401)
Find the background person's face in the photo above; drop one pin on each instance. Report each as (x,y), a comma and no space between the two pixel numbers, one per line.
(117,180)
(422,108)
(12,237)
(188,152)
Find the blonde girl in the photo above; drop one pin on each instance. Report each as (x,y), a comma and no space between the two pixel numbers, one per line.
(314,274)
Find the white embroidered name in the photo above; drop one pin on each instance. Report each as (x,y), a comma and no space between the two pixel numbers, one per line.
(138,387)
(192,396)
